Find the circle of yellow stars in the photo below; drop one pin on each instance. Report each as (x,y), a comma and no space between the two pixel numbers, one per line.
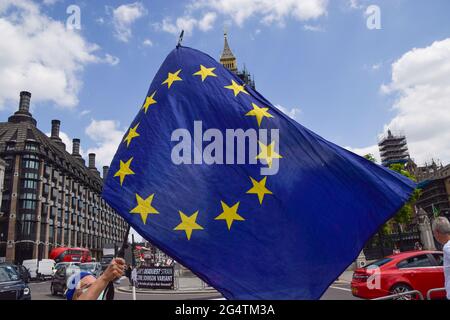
(144,204)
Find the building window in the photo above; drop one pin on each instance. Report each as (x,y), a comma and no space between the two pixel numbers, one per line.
(29,184)
(31,175)
(28,201)
(11,147)
(26,230)
(31,164)
(31,147)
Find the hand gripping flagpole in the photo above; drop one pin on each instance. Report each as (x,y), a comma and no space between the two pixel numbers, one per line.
(109,293)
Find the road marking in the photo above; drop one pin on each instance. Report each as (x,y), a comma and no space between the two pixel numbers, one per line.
(343,289)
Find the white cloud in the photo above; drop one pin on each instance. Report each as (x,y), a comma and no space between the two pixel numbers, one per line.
(51,2)
(188,24)
(107,136)
(207,22)
(355,4)
(309,27)
(268,11)
(40,55)
(123,18)
(421,82)
(376,66)
(147,43)
(293,113)
(112,60)
(421,79)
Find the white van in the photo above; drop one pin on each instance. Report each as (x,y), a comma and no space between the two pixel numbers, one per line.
(40,269)
(45,270)
(32,266)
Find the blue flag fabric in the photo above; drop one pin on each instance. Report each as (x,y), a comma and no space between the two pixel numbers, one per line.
(283,236)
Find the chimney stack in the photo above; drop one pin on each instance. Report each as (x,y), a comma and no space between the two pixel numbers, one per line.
(23,114)
(56,124)
(76,147)
(92,161)
(24,104)
(105,172)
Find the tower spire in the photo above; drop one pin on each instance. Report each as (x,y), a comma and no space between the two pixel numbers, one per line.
(228,60)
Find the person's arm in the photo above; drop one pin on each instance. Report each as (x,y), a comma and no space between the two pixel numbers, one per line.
(115,270)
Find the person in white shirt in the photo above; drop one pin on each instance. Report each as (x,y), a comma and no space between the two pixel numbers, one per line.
(134,277)
(441,231)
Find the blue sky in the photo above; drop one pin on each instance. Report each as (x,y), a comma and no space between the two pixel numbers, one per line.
(317,59)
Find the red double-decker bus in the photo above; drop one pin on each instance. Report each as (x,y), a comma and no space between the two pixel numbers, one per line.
(71,255)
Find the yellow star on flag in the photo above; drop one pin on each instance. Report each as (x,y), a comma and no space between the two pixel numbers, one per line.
(259,113)
(268,153)
(259,188)
(205,72)
(230,214)
(149,101)
(236,88)
(132,133)
(144,207)
(172,78)
(188,224)
(124,170)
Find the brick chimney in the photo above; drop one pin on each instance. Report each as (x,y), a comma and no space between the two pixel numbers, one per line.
(24,104)
(105,172)
(92,161)
(23,114)
(76,147)
(56,125)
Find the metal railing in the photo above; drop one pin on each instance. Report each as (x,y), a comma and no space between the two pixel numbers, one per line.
(399,295)
(434,291)
(411,293)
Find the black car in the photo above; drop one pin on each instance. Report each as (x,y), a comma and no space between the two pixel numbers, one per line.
(12,287)
(105,261)
(59,281)
(23,272)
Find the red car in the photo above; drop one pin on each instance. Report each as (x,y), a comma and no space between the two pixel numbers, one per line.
(415,270)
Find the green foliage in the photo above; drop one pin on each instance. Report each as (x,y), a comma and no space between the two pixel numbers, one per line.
(370,157)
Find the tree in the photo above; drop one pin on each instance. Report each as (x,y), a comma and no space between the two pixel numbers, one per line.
(370,157)
(405,215)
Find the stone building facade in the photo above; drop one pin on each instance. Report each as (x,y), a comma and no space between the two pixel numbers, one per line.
(50,197)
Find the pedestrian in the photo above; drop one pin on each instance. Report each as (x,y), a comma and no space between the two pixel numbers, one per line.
(396,250)
(134,277)
(84,286)
(128,273)
(418,246)
(441,231)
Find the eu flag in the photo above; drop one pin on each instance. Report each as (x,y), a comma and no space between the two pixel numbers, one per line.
(252,202)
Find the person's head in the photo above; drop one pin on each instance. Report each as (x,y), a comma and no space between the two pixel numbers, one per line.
(441,230)
(79,283)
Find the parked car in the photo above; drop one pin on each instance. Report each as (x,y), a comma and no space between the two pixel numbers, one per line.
(105,261)
(401,273)
(23,272)
(59,281)
(93,267)
(61,264)
(12,287)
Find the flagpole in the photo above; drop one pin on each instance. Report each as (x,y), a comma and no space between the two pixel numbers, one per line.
(109,293)
(180,39)
(133,265)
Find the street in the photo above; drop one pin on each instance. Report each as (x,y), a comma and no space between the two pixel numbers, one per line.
(41,291)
